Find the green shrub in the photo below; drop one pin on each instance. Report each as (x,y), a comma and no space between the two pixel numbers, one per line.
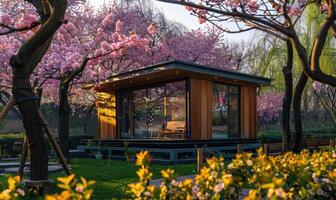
(275,136)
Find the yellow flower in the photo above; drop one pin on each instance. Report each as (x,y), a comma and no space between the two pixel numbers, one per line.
(187,182)
(136,188)
(143,158)
(167,174)
(66,180)
(5,195)
(11,183)
(144,173)
(252,195)
(227,179)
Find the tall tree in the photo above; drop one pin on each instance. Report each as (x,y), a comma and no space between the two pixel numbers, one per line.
(23,64)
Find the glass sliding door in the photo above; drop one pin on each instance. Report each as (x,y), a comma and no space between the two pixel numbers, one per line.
(225,111)
(139,105)
(176,111)
(123,114)
(154,112)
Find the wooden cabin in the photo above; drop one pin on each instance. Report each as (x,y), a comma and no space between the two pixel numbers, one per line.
(178,101)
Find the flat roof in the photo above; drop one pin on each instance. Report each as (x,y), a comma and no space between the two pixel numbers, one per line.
(180,66)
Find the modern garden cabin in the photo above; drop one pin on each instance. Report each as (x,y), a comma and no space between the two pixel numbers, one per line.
(178,101)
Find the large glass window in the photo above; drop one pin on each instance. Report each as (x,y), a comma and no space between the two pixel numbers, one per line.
(154,113)
(225,111)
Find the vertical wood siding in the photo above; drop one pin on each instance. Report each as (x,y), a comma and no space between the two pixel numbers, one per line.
(248,112)
(200,109)
(107,115)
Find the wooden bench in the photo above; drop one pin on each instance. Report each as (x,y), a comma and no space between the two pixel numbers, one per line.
(273,149)
(173,130)
(315,143)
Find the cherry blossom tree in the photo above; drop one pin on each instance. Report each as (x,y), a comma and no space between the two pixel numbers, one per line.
(166,41)
(74,57)
(24,61)
(269,106)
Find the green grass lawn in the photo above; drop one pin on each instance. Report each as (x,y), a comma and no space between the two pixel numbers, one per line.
(112,177)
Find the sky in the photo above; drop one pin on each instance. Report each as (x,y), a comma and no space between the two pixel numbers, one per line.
(179,14)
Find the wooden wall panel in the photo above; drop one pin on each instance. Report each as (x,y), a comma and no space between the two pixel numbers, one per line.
(248,112)
(107,115)
(200,112)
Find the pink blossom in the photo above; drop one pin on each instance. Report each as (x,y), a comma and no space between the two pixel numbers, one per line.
(201,16)
(324,8)
(106,46)
(188,8)
(294,10)
(30,18)
(253,6)
(269,106)
(119,26)
(134,37)
(98,52)
(107,20)
(79,189)
(6,19)
(100,34)
(70,27)
(152,29)
(228,3)
(317,86)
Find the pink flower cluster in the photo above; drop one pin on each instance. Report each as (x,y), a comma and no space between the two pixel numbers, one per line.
(6,19)
(269,106)
(318,86)
(152,29)
(294,9)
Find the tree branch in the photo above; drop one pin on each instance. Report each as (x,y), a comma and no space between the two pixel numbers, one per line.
(233,13)
(11,29)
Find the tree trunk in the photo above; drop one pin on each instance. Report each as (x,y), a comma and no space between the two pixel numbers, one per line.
(28,106)
(64,108)
(23,64)
(63,119)
(287,99)
(300,86)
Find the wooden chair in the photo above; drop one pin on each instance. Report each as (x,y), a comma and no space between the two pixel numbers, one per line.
(173,130)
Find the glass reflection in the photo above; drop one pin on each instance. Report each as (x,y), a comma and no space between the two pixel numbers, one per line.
(154,113)
(225,111)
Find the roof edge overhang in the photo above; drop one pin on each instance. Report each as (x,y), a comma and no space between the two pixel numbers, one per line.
(187,67)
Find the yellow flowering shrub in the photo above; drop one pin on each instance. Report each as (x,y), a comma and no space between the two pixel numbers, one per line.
(307,175)
(142,189)
(11,188)
(71,189)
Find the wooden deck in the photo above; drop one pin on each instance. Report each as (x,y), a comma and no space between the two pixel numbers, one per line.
(170,144)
